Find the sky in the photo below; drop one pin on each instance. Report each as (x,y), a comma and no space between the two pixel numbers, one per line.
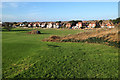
(60,0)
(119,9)
(58,11)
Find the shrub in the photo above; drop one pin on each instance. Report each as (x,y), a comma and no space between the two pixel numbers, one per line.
(7,26)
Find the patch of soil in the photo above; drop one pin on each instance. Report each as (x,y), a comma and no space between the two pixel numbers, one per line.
(53,38)
(34,32)
(104,35)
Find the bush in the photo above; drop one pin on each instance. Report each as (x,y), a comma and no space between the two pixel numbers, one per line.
(7,26)
(94,40)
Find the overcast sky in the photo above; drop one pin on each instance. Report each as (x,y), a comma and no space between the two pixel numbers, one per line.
(54,11)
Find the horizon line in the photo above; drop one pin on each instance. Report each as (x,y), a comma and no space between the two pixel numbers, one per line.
(59,20)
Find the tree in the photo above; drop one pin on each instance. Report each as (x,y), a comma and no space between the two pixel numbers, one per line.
(116,20)
(75,22)
(7,26)
(58,21)
(15,23)
(24,22)
(78,21)
(100,21)
(98,24)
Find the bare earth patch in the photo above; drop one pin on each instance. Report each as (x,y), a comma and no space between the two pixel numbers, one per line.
(34,32)
(95,36)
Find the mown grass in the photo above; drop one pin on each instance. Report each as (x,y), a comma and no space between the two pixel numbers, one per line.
(27,56)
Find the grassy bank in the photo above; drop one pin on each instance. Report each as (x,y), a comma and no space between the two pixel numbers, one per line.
(27,56)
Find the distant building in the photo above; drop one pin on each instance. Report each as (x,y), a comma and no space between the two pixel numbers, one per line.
(49,25)
(92,25)
(68,25)
(38,24)
(107,24)
(0,23)
(54,25)
(34,25)
(110,25)
(21,25)
(79,24)
(43,25)
(58,25)
(102,25)
(29,25)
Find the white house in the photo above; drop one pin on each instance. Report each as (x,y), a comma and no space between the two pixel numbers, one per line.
(0,23)
(50,25)
(103,25)
(110,25)
(75,27)
(43,25)
(58,25)
(39,24)
(91,25)
(21,25)
(29,25)
(34,25)
(54,26)
(79,25)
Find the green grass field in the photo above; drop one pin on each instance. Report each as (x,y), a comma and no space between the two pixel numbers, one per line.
(26,56)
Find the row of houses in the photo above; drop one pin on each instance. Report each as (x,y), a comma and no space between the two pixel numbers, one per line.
(107,24)
(78,25)
(91,24)
(39,24)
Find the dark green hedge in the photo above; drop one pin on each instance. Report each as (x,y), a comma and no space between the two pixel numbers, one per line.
(94,40)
